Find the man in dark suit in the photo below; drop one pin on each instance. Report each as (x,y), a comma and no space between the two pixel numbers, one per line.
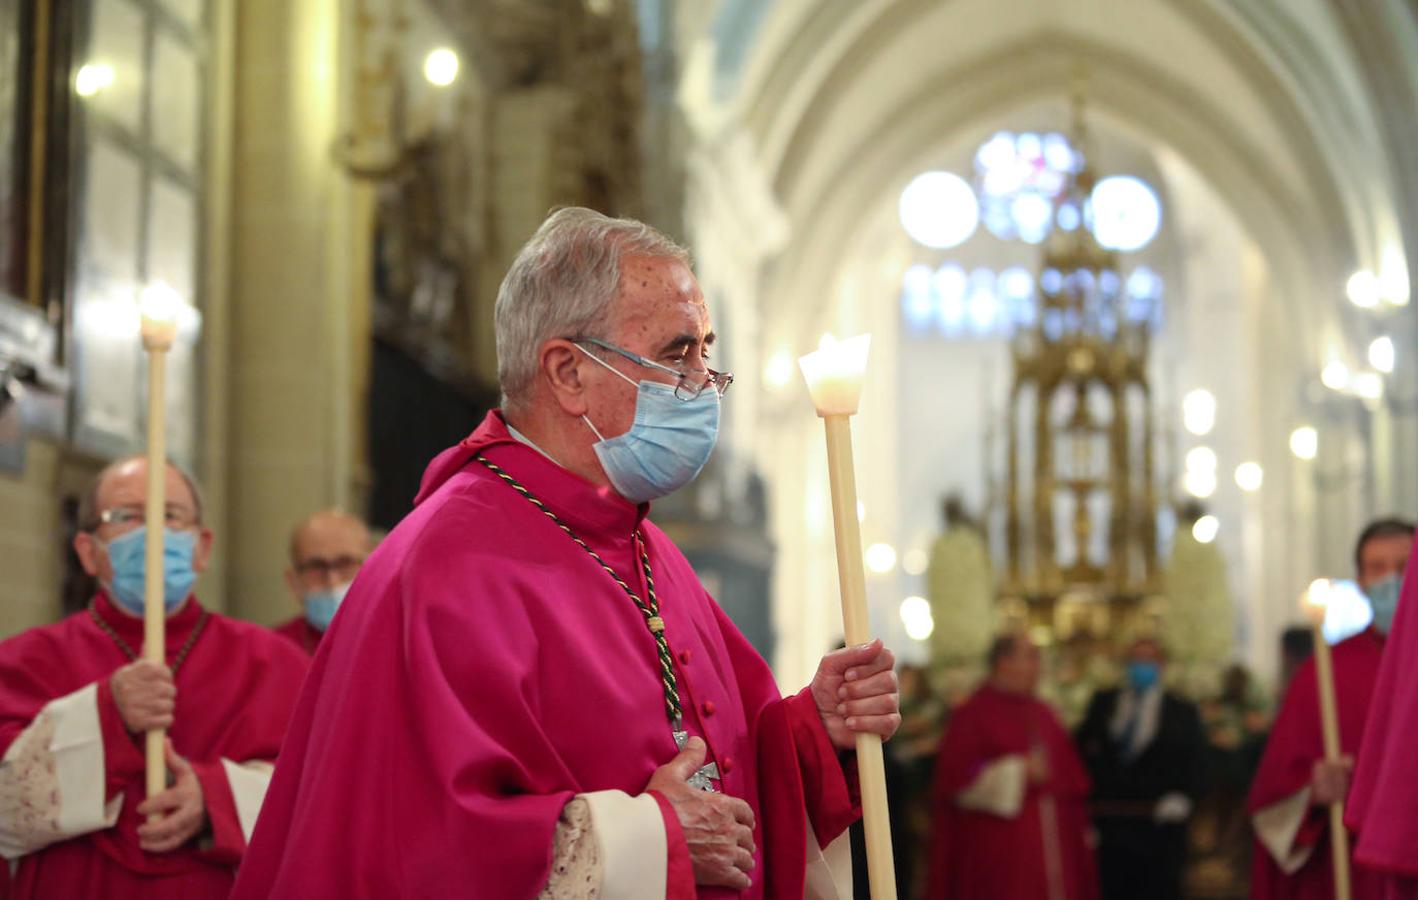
(1144,748)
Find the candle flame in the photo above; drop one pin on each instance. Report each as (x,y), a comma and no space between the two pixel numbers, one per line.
(834,374)
(1315,601)
(159,302)
(160,306)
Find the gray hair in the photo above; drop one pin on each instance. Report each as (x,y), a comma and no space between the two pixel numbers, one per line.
(89,512)
(561,285)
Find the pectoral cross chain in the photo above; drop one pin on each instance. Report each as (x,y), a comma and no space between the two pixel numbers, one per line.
(648,608)
(704,779)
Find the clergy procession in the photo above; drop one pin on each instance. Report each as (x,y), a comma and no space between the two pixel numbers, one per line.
(652,449)
(496,706)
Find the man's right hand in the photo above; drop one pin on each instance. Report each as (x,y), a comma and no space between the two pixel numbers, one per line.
(145,695)
(1329,781)
(718,828)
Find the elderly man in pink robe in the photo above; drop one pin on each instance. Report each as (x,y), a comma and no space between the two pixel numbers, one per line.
(528,691)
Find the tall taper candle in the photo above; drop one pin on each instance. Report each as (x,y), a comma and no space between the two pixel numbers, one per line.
(1316,605)
(834,377)
(159,330)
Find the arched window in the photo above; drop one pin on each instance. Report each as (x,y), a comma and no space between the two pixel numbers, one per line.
(1016,194)
(1018,177)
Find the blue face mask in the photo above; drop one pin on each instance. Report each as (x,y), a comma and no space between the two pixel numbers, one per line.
(1383,598)
(1142,675)
(667,446)
(320,606)
(126,554)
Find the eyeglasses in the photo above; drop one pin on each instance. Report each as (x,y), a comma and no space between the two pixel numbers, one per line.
(315,568)
(177,517)
(688,385)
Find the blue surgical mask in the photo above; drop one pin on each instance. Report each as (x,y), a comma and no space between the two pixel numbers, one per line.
(1383,598)
(666,447)
(1142,675)
(126,553)
(320,606)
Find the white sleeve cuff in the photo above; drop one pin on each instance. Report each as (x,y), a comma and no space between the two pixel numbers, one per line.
(634,849)
(1276,826)
(998,789)
(248,782)
(829,869)
(52,779)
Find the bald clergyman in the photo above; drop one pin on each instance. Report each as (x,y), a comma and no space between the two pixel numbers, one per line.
(326,551)
(75,702)
(528,690)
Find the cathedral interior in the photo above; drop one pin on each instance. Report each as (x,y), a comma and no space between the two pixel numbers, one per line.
(1137,277)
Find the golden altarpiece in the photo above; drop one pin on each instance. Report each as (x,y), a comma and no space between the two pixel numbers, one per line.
(1080,492)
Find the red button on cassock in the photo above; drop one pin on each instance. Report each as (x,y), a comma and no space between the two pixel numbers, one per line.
(708,707)
(684,657)
(728,765)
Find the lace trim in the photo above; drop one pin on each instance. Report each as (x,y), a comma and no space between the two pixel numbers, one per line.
(576,866)
(29,789)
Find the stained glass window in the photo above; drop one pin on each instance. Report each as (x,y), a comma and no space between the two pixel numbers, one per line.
(1018,176)
(1017,194)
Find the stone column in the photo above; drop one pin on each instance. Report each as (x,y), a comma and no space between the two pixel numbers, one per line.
(289,439)
(30,541)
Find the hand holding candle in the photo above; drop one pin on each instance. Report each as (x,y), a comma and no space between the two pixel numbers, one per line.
(159,306)
(834,379)
(1315,605)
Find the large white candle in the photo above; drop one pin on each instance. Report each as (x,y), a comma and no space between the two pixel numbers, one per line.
(834,374)
(834,378)
(159,305)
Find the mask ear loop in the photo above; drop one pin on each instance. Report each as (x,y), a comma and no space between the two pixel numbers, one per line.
(594,429)
(615,371)
(104,544)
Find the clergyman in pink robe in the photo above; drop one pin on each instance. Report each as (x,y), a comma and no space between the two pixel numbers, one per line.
(498,684)
(479,677)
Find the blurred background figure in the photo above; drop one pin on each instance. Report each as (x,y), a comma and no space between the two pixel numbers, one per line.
(1010,793)
(913,752)
(1236,721)
(1383,804)
(326,551)
(1295,783)
(1144,749)
(1296,645)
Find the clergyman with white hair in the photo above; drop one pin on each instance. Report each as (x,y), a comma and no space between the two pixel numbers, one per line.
(527,690)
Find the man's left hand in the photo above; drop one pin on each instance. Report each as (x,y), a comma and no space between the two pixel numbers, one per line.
(181,809)
(856,692)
